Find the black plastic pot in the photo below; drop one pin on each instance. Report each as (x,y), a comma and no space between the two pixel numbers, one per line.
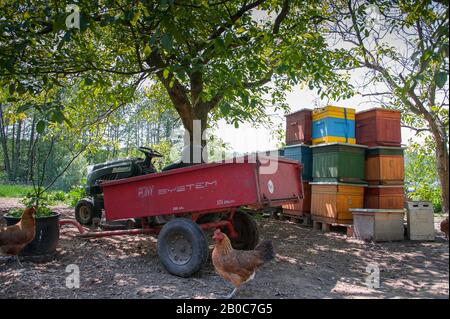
(47,235)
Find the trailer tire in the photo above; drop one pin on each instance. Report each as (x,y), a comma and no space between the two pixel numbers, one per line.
(247,229)
(85,211)
(182,247)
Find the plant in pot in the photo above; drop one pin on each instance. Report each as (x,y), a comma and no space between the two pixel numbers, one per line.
(47,224)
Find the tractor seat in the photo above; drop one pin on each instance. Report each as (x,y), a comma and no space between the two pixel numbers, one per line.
(175,165)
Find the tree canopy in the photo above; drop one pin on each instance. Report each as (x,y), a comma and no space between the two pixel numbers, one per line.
(214,58)
(403,47)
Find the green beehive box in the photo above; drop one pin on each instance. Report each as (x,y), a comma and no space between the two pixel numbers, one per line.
(338,162)
(384,150)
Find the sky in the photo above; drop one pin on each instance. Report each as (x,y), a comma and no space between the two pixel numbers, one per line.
(249,139)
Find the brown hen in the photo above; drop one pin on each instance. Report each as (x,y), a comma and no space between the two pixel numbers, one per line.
(238,266)
(14,238)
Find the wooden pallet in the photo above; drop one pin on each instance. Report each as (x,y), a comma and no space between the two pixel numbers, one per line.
(386,183)
(304,219)
(325,226)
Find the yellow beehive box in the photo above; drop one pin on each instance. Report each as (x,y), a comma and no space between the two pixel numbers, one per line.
(333,111)
(331,202)
(333,139)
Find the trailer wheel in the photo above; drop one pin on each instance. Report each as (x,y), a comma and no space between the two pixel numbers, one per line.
(85,212)
(247,229)
(182,247)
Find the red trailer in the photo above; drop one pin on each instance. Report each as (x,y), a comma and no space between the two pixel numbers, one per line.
(187,201)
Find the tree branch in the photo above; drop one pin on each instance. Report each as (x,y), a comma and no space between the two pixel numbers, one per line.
(279,19)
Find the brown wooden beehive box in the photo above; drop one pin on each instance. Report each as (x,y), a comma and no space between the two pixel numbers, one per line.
(298,127)
(384,197)
(378,127)
(384,165)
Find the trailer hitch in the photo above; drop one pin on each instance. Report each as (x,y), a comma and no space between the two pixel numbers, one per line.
(98,234)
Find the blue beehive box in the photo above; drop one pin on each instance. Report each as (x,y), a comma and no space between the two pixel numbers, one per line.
(303,154)
(333,124)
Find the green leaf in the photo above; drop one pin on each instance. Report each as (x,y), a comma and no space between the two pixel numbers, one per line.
(69,123)
(441,79)
(135,18)
(40,126)
(12,88)
(147,50)
(57,116)
(88,81)
(167,41)
(166,73)
(427,54)
(219,45)
(225,108)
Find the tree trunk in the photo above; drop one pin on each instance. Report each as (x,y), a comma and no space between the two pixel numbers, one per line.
(194,144)
(442,164)
(18,141)
(13,152)
(4,139)
(158,130)
(30,150)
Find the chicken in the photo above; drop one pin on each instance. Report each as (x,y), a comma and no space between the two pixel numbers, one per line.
(444,227)
(14,238)
(238,266)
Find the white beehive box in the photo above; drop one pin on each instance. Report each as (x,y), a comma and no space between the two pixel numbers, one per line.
(420,219)
(378,224)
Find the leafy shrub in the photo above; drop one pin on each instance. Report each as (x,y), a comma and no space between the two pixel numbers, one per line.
(58,196)
(75,194)
(41,211)
(421,179)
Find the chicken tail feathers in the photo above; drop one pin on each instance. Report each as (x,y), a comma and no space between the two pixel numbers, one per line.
(266,251)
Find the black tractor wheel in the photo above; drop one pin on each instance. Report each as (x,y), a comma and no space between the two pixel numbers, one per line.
(247,229)
(85,211)
(182,247)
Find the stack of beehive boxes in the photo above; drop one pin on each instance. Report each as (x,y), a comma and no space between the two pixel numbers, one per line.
(333,167)
(380,130)
(298,141)
(338,166)
(351,160)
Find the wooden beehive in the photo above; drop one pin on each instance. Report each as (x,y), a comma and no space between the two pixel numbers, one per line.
(384,197)
(332,124)
(338,162)
(384,165)
(298,127)
(330,202)
(378,127)
(303,207)
(378,224)
(303,154)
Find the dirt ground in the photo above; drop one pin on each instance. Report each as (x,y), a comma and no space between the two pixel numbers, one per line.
(309,264)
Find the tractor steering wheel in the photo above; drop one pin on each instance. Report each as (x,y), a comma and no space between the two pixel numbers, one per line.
(147,164)
(149,152)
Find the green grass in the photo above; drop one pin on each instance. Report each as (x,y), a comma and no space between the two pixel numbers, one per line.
(14,190)
(52,197)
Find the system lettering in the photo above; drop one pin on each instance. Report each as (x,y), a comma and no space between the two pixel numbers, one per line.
(148,191)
